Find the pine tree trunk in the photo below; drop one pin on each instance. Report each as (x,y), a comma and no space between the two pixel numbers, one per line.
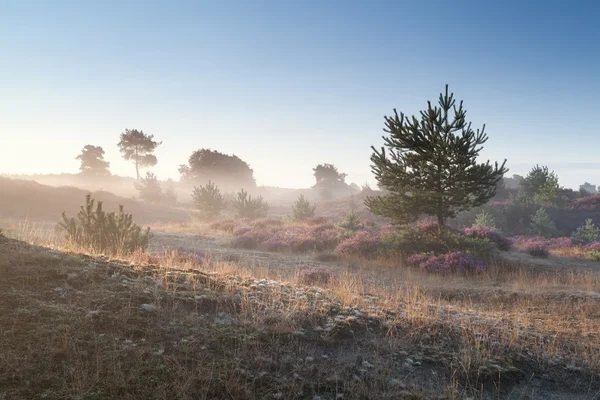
(137,169)
(440,221)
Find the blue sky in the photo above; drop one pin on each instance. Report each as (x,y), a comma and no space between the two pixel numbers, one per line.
(287,85)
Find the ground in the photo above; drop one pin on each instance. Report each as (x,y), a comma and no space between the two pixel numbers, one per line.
(208,322)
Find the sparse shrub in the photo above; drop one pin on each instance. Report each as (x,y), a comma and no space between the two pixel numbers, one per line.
(149,189)
(314,276)
(227,225)
(454,262)
(587,233)
(209,200)
(302,209)
(593,255)
(250,207)
(502,242)
(362,244)
(536,248)
(542,225)
(351,222)
(101,232)
(485,219)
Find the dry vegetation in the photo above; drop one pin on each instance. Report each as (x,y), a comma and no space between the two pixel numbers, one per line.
(208,321)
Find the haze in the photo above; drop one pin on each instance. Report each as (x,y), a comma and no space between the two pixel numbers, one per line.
(286,86)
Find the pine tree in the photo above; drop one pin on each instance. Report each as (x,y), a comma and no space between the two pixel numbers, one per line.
(138,147)
(149,189)
(431,165)
(92,161)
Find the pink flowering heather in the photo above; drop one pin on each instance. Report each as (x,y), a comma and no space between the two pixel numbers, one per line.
(251,239)
(554,243)
(587,203)
(227,225)
(502,242)
(240,230)
(427,227)
(536,248)
(455,262)
(267,222)
(594,246)
(314,276)
(362,244)
(317,221)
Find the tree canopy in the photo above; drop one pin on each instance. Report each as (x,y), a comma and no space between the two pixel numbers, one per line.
(329,179)
(138,147)
(430,166)
(92,161)
(228,171)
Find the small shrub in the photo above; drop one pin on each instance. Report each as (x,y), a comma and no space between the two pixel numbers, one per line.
(97,231)
(351,222)
(209,200)
(502,242)
(485,219)
(448,263)
(251,240)
(428,227)
(250,207)
(317,221)
(593,255)
(587,233)
(542,225)
(302,209)
(314,276)
(362,244)
(149,189)
(227,225)
(267,222)
(536,248)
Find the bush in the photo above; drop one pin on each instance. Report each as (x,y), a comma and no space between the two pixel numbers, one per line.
(587,233)
(249,207)
(209,200)
(454,262)
(536,248)
(317,221)
(97,231)
(267,222)
(502,242)
(227,225)
(313,276)
(485,219)
(149,189)
(302,209)
(593,255)
(351,222)
(542,225)
(363,244)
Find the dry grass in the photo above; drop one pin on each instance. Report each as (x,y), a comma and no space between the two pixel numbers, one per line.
(218,331)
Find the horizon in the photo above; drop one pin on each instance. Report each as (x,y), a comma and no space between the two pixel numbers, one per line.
(255,82)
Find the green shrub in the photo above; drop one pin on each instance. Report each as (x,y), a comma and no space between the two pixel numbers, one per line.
(485,219)
(587,233)
(302,209)
(542,225)
(351,222)
(209,200)
(99,232)
(149,189)
(593,255)
(411,241)
(250,207)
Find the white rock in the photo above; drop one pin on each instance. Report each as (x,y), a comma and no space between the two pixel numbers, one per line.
(148,307)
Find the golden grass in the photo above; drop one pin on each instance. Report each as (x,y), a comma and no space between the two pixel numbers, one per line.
(475,333)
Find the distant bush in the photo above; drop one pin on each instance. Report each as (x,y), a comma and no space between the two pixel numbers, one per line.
(314,276)
(227,225)
(448,263)
(250,207)
(362,244)
(542,225)
(317,220)
(587,203)
(267,222)
(536,248)
(105,233)
(593,255)
(209,200)
(302,209)
(502,242)
(587,233)
(428,227)
(351,222)
(485,219)
(149,189)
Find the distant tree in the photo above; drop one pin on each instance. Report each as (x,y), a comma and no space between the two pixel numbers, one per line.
(170,197)
(92,161)
(250,207)
(209,200)
(587,188)
(431,165)
(542,225)
(485,219)
(536,178)
(149,189)
(138,147)
(302,209)
(210,165)
(541,185)
(328,180)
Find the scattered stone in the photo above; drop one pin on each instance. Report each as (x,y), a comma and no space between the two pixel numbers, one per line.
(148,307)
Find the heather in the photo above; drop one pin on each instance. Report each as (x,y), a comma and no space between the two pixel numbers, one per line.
(536,248)
(482,232)
(448,263)
(314,276)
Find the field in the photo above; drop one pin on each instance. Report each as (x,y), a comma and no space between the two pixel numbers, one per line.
(198,318)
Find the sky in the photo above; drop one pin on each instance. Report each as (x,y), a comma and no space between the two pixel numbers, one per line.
(289,85)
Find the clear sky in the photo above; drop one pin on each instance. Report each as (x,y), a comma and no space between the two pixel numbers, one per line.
(286,85)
